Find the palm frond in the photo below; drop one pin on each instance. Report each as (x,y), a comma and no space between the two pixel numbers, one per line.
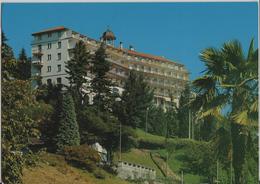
(254,106)
(251,51)
(244,118)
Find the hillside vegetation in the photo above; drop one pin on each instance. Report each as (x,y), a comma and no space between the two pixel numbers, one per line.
(53,169)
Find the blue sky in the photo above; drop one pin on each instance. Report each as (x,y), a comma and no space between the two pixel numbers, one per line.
(178,31)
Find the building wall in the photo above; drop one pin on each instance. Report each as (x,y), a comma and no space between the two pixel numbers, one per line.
(64,38)
(167,79)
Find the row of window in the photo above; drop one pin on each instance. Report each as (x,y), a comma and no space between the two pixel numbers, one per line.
(155,70)
(49,46)
(39,37)
(58,45)
(49,81)
(58,57)
(172,66)
(49,68)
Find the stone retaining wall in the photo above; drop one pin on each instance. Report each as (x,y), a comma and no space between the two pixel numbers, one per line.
(132,171)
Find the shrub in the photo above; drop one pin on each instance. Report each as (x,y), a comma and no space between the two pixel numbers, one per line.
(147,144)
(100,174)
(82,156)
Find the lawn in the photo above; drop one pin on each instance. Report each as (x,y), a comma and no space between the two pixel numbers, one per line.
(174,161)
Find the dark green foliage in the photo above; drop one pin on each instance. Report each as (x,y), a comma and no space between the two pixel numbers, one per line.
(51,95)
(82,156)
(199,159)
(231,81)
(78,68)
(100,174)
(207,128)
(161,122)
(68,129)
(157,121)
(146,144)
(12,165)
(21,116)
(7,51)
(104,128)
(8,65)
(100,83)
(135,100)
(172,122)
(183,112)
(23,66)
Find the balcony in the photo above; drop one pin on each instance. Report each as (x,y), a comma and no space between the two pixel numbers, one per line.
(37,63)
(37,52)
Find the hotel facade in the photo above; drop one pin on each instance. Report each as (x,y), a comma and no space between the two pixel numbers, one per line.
(51,49)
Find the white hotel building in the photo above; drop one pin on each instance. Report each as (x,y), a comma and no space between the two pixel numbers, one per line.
(51,49)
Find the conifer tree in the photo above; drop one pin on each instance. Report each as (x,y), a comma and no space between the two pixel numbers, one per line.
(78,68)
(100,83)
(183,112)
(135,100)
(68,129)
(23,66)
(9,65)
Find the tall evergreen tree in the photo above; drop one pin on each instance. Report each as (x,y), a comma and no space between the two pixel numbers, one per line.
(78,68)
(9,65)
(183,112)
(135,100)
(100,83)
(68,129)
(23,66)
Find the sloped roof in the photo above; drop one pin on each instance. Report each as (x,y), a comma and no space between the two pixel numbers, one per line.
(59,28)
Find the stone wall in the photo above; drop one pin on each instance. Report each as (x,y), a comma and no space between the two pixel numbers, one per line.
(132,171)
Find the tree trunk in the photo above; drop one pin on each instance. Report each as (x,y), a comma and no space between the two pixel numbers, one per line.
(239,152)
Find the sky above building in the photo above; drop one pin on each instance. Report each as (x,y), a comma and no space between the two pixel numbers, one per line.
(177,31)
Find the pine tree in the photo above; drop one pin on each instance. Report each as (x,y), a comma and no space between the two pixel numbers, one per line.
(183,112)
(23,66)
(100,83)
(68,129)
(135,100)
(7,51)
(9,65)
(78,68)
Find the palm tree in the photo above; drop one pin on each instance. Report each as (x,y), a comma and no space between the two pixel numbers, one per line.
(228,90)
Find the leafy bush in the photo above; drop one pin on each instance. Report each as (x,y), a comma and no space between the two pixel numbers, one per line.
(100,174)
(147,144)
(82,156)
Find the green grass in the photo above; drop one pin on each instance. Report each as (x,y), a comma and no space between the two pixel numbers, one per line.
(174,161)
(149,137)
(176,166)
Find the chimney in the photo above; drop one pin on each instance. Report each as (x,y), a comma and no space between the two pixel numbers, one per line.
(121,45)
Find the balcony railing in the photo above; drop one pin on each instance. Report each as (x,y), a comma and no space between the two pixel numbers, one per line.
(37,63)
(37,52)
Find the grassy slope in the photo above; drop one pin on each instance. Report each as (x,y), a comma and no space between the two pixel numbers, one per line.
(54,170)
(174,162)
